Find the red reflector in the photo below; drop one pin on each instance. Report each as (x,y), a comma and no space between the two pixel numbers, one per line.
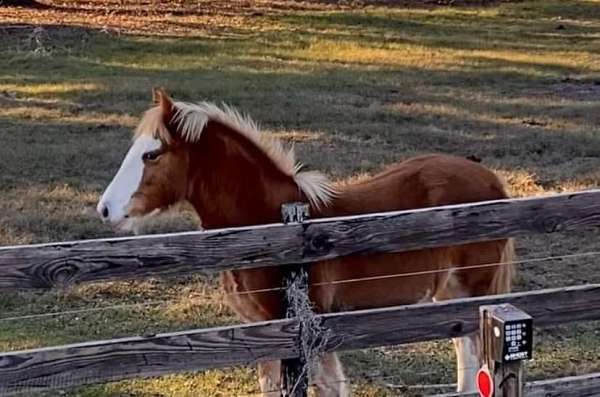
(485,382)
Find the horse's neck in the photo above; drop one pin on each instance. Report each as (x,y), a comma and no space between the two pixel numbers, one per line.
(233,183)
(343,204)
(372,195)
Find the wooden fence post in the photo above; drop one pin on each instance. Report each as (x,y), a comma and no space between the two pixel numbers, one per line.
(294,371)
(506,336)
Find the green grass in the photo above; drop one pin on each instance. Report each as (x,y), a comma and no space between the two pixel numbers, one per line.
(516,84)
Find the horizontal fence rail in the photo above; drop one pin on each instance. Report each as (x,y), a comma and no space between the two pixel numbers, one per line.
(101,361)
(48,265)
(571,386)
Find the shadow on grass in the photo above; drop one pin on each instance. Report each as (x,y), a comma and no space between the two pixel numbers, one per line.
(366,115)
(489,107)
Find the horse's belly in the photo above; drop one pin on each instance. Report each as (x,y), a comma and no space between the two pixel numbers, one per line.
(377,281)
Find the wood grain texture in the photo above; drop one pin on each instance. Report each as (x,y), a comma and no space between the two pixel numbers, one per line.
(572,386)
(430,321)
(102,361)
(48,265)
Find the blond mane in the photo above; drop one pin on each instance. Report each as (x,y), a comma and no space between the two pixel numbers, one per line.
(192,118)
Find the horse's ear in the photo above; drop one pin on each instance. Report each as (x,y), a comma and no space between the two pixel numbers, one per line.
(162,99)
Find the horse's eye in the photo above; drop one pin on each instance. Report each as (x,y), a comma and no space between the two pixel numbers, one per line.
(150,156)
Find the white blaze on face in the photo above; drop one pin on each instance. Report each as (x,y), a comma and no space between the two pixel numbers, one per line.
(113,205)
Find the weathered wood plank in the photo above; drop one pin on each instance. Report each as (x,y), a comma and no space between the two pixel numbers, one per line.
(423,322)
(116,359)
(48,265)
(571,386)
(95,362)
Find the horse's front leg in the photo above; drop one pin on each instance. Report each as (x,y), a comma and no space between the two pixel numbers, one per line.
(269,378)
(329,380)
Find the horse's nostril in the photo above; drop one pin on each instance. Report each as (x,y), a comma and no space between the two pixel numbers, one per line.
(105,212)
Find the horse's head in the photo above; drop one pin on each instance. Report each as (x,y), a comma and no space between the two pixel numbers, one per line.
(213,157)
(153,174)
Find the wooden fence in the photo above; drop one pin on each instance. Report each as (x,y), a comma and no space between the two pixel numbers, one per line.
(49,265)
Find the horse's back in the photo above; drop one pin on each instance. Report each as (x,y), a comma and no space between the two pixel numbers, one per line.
(424,181)
(407,277)
(451,180)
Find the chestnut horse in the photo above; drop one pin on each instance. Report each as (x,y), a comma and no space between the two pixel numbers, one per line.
(233,175)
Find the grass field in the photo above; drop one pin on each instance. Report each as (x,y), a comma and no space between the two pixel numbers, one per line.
(354,88)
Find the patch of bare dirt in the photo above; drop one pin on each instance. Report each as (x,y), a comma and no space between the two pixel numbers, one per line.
(145,21)
(187,17)
(244,6)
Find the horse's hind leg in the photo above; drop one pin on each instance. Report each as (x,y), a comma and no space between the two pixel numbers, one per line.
(467,361)
(330,380)
(468,354)
(476,282)
(269,377)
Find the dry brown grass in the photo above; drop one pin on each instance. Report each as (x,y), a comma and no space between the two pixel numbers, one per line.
(354,88)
